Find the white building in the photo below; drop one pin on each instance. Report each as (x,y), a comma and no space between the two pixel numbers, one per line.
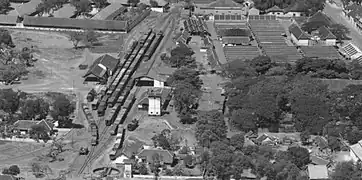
(356,151)
(155,101)
(299,37)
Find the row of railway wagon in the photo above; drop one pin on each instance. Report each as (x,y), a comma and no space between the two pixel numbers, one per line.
(119,95)
(92,124)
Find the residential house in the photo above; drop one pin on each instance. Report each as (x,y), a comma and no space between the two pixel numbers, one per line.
(320,17)
(131,147)
(315,160)
(24,126)
(318,172)
(295,10)
(146,75)
(253,11)
(299,37)
(356,151)
(102,68)
(326,36)
(155,101)
(226,9)
(265,139)
(275,10)
(148,155)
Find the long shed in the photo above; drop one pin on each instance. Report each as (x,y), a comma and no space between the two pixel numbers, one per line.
(8,20)
(52,22)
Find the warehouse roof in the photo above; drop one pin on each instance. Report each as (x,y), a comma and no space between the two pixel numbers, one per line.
(8,20)
(75,23)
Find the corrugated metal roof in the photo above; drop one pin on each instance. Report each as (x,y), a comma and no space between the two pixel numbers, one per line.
(109,11)
(75,23)
(8,20)
(318,172)
(28,8)
(67,11)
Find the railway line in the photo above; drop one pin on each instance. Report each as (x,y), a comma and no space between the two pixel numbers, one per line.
(115,101)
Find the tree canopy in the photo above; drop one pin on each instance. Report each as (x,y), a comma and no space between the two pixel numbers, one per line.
(210,127)
(4,6)
(83,7)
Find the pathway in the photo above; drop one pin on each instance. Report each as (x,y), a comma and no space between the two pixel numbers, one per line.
(218,46)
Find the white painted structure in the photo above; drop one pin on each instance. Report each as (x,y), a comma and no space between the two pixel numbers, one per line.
(158,9)
(154,108)
(356,151)
(299,42)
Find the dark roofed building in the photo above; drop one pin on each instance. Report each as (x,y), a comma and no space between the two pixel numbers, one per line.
(326,35)
(146,75)
(102,68)
(24,126)
(275,10)
(233,32)
(299,37)
(166,157)
(236,40)
(321,17)
(229,8)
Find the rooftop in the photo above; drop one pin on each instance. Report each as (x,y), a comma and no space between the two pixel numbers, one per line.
(225,4)
(320,17)
(275,8)
(28,124)
(357,150)
(234,32)
(148,154)
(325,33)
(298,32)
(317,172)
(97,68)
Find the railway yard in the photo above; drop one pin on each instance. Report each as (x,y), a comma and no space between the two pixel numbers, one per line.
(124,70)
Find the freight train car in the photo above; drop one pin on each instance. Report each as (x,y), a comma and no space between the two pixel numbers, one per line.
(152,48)
(145,36)
(94,133)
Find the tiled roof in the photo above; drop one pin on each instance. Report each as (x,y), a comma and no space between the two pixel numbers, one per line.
(75,23)
(148,154)
(240,52)
(8,20)
(327,52)
(160,74)
(228,17)
(107,61)
(109,12)
(298,32)
(318,161)
(325,33)
(28,8)
(317,172)
(275,8)
(225,4)
(27,124)
(320,17)
(67,11)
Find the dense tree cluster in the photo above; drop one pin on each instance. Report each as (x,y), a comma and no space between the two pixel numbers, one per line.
(261,93)
(4,6)
(19,105)
(83,7)
(88,37)
(181,56)
(308,6)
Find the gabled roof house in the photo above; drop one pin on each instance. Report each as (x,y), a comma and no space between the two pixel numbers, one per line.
(102,68)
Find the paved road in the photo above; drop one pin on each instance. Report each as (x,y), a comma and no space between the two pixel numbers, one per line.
(337,15)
